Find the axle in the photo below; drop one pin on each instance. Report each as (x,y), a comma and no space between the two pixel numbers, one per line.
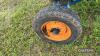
(66,2)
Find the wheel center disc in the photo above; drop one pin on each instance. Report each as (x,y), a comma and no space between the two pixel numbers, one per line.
(56,30)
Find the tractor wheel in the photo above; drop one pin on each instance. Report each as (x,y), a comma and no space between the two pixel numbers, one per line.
(57,26)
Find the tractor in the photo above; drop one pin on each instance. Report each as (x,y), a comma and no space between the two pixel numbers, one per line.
(58,23)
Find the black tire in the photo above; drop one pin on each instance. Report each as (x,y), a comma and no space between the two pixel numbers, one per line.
(58,14)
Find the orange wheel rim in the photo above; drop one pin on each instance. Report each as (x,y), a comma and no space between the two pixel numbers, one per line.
(56,30)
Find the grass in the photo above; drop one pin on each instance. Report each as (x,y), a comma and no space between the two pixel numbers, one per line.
(17,37)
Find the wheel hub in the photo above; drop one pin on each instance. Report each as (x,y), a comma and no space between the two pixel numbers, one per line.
(55,31)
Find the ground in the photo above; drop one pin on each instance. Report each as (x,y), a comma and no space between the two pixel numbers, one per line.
(17,37)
